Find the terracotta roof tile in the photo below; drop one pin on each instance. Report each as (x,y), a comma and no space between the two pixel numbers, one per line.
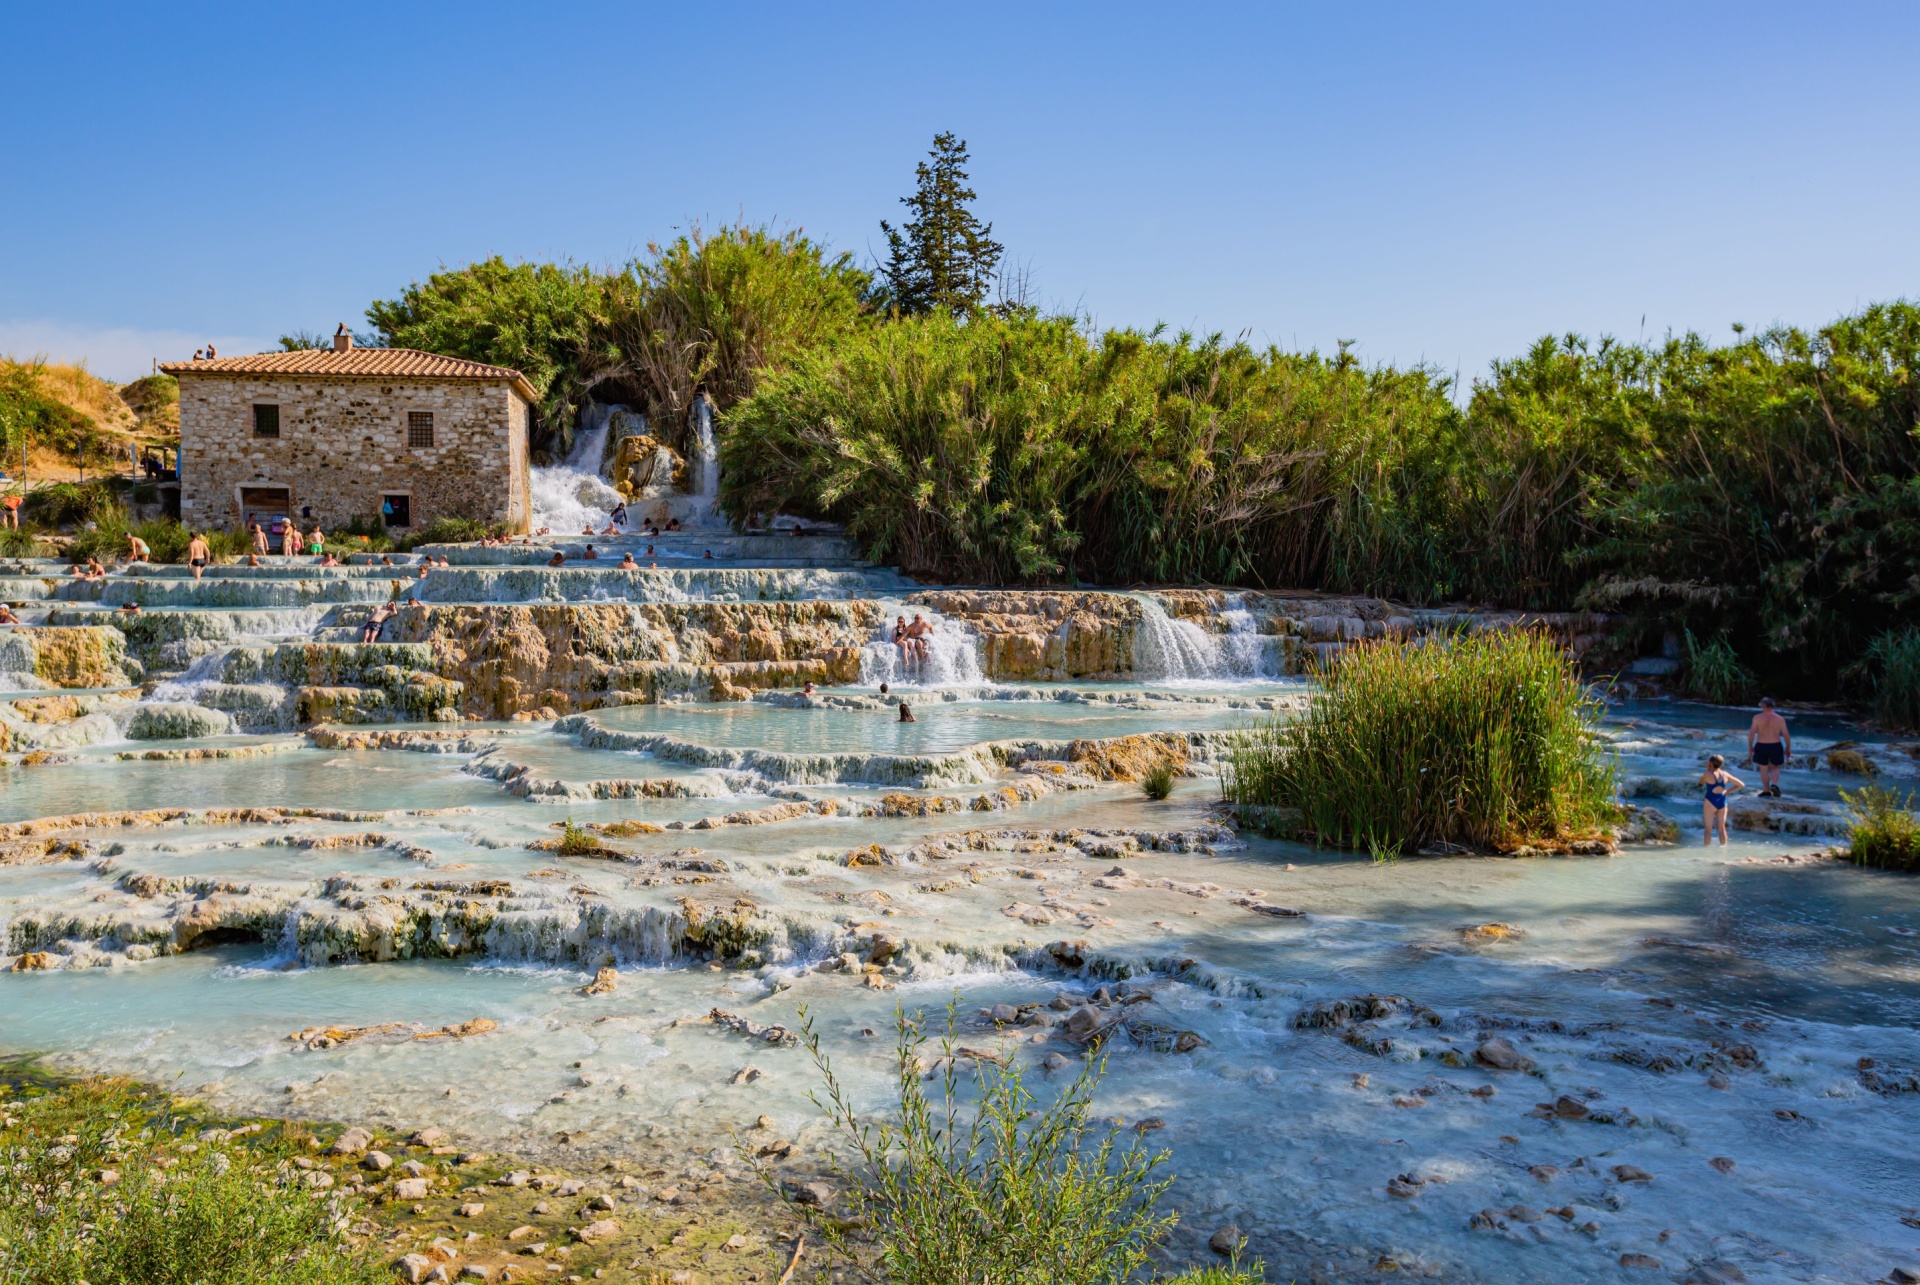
(354,363)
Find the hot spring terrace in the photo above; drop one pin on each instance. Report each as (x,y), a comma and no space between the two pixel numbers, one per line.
(225,819)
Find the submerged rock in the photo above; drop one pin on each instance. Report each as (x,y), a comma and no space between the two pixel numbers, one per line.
(176,721)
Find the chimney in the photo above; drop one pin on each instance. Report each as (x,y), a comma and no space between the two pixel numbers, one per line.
(341,339)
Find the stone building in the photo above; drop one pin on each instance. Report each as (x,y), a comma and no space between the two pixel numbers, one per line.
(328,435)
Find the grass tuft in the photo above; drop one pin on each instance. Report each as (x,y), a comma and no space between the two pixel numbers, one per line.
(984,1181)
(1485,742)
(1885,832)
(1714,672)
(1158,782)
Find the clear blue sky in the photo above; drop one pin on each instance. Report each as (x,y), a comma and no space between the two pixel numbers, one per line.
(1439,182)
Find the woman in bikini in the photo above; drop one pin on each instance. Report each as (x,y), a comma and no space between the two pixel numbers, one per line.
(1713,810)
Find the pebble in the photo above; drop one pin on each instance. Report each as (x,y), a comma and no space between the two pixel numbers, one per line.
(543,1208)
(1640,1260)
(1001,1014)
(414,1169)
(410,1189)
(1570,1108)
(602,1202)
(809,1193)
(1631,1173)
(522,1232)
(599,1229)
(1545,1173)
(472,1209)
(1226,1241)
(1718,1080)
(1053,1061)
(1500,1055)
(378,1161)
(427,1137)
(351,1143)
(1721,1163)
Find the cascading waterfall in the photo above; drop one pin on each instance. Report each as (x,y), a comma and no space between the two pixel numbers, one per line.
(1169,650)
(573,495)
(1179,651)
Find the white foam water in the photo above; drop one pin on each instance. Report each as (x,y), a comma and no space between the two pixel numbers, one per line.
(572,496)
(1170,650)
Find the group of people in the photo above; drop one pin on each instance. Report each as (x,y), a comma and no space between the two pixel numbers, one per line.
(911,639)
(1769,748)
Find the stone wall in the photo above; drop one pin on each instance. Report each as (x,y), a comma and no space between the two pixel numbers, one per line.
(343,444)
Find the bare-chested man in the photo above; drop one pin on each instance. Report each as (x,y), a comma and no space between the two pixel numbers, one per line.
(199,553)
(1769,745)
(917,634)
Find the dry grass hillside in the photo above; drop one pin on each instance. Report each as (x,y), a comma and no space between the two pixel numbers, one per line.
(67,420)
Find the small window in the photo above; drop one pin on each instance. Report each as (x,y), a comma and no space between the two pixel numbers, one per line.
(396,510)
(419,428)
(266,421)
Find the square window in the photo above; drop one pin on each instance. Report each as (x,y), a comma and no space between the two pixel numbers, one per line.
(396,510)
(266,421)
(419,428)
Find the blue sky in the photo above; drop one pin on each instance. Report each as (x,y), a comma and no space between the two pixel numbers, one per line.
(1438,183)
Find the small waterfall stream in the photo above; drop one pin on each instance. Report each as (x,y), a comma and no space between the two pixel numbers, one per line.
(571,496)
(1170,650)
(952,655)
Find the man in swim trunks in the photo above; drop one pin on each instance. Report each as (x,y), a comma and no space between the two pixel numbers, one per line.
(917,633)
(1769,746)
(199,553)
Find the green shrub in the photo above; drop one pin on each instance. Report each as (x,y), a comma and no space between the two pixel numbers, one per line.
(996,1187)
(365,535)
(1485,741)
(1714,672)
(23,542)
(1158,782)
(449,531)
(67,504)
(1220,1276)
(235,1214)
(1893,661)
(1884,831)
(576,842)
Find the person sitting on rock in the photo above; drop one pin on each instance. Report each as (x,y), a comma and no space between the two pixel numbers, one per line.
(917,634)
(424,568)
(587,529)
(673,524)
(900,639)
(558,559)
(6,615)
(328,560)
(627,563)
(129,608)
(95,569)
(385,560)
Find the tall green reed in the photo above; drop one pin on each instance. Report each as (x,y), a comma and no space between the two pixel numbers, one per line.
(1484,741)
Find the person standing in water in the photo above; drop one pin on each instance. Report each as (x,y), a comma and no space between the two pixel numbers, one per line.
(1769,746)
(199,553)
(906,713)
(1713,809)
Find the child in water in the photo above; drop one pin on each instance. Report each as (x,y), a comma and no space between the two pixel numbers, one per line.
(1713,809)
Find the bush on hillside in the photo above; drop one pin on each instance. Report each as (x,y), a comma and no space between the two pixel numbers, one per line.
(69,504)
(1485,742)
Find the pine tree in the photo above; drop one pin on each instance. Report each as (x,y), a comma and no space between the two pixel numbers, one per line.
(944,257)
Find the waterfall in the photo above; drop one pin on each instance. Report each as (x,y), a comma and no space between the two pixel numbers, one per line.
(952,660)
(1176,651)
(706,458)
(570,496)
(1170,650)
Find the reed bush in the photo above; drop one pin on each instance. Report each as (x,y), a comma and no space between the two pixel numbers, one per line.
(1893,664)
(1884,831)
(1486,742)
(1714,672)
(236,1214)
(987,1182)
(1158,782)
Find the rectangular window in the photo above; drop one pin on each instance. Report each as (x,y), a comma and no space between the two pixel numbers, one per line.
(419,428)
(396,510)
(266,421)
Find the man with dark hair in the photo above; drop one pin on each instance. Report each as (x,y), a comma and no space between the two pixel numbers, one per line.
(1769,745)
